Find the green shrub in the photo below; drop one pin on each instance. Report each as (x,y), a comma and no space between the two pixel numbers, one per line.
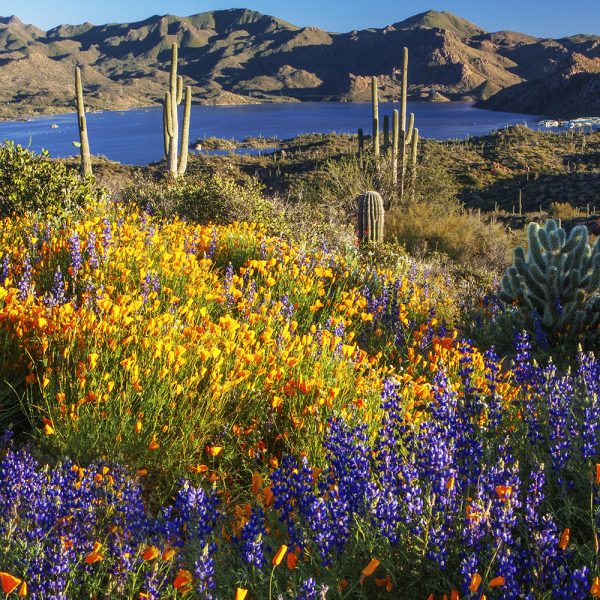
(424,228)
(210,198)
(32,182)
(563,210)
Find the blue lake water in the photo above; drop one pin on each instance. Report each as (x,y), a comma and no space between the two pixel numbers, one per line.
(135,136)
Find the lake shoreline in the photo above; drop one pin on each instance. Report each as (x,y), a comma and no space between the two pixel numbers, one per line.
(20,116)
(135,136)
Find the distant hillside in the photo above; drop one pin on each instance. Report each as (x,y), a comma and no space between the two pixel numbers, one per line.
(571,89)
(240,55)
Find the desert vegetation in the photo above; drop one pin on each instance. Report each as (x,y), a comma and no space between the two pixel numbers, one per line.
(349,368)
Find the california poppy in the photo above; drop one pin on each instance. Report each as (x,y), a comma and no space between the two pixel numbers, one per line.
(9,582)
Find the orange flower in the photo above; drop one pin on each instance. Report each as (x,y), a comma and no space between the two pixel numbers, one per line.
(168,553)
(430,597)
(9,582)
(384,582)
(94,556)
(153,445)
(595,589)
(454,595)
(504,492)
(475,583)
(292,560)
(279,556)
(370,568)
(497,582)
(256,483)
(138,426)
(150,553)
(213,451)
(450,484)
(598,474)
(183,579)
(240,594)
(198,469)
(23,590)
(564,538)
(268,496)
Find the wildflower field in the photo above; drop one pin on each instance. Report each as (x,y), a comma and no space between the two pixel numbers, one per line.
(210,412)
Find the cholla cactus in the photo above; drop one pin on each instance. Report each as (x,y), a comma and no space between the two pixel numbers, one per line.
(371,216)
(558,280)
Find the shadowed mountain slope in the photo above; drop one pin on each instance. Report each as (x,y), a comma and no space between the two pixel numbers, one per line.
(240,55)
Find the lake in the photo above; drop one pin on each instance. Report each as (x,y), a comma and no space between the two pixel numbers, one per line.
(135,136)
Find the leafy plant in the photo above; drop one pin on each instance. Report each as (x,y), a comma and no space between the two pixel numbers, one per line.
(31,182)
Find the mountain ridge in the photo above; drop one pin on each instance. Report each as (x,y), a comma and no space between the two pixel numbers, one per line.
(241,55)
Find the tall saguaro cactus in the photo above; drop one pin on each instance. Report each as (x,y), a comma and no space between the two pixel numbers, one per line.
(413,168)
(84,144)
(375,106)
(173,98)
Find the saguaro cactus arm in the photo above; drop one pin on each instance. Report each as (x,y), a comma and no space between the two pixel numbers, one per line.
(375,106)
(84,148)
(185,132)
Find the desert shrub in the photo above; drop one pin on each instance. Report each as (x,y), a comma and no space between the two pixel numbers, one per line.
(460,235)
(210,198)
(563,210)
(32,182)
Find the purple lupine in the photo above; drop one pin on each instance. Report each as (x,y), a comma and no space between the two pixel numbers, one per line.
(76,256)
(4,269)
(25,285)
(57,296)
(90,249)
(252,537)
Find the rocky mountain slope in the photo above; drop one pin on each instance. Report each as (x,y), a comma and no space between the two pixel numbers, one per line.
(240,55)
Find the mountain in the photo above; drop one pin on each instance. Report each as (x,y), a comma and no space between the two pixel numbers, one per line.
(239,55)
(571,89)
(441,20)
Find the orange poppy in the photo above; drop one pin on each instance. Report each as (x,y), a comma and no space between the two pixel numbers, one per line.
(9,582)
(497,582)
(564,538)
(475,583)
(183,579)
(150,553)
(279,555)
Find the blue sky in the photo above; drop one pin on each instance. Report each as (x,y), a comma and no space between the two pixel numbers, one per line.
(544,18)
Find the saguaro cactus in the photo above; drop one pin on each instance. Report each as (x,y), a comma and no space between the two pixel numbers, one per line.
(371,216)
(361,146)
(386,133)
(171,121)
(84,144)
(413,167)
(375,106)
(395,140)
(557,281)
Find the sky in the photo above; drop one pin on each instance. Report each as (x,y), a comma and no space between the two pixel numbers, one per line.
(542,18)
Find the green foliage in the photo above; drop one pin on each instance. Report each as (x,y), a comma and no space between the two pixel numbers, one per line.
(557,282)
(31,182)
(210,199)
(446,228)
